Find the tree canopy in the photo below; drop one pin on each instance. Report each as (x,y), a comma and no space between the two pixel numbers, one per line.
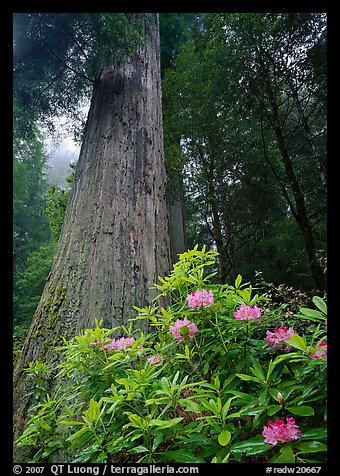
(58,56)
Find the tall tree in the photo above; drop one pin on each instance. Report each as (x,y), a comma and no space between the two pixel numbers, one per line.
(279,77)
(255,143)
(115,238)
(175,29)
(30,225)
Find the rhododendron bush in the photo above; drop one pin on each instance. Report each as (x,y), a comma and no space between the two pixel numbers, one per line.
(222,376)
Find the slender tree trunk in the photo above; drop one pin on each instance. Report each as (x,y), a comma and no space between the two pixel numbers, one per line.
(178,238)
(300,212)
(220,246)
(229,239)
(115,239)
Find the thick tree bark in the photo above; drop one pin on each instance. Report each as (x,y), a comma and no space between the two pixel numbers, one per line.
(115,239)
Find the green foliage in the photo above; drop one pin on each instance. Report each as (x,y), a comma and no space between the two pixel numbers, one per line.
(56,204)
(219,127)
(201,398)
(58,56)
(31,281)
(175,28)
(30,227)
(32,247)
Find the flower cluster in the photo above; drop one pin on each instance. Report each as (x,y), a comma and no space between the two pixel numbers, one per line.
(179,324)
(114,344)
(200,298)
(155,359)
(246,313)
(320,352)
(280,432)
(277,339)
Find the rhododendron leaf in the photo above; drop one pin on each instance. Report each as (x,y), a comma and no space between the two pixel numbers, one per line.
(320,304)
(311,447)
(257,369)
(286,455)
(303,410)
(311,312)
(226,407)
(160,424)
(138,449)
(181,456)
(315,434)
(238,281)
(248,377)
(273,409)
(252,446)
(190,405)
(224,438)
(297,341)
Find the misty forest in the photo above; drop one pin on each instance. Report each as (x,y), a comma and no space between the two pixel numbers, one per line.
(170,264)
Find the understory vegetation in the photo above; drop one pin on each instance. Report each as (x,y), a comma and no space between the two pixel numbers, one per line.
(226,374)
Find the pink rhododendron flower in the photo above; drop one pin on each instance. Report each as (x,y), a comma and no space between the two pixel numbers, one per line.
(246,313)
(115,344)
(155,359)
(320,352)
(277,339)
(175,329)
(200,298)
(280,432)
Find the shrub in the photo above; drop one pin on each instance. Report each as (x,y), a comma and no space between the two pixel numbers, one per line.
(220,378)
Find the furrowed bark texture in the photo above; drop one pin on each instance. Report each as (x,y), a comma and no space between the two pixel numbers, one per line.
(115,239)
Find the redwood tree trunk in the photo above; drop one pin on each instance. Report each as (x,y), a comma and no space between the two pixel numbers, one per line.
(115,239)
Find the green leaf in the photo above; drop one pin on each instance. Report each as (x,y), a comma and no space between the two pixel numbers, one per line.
(70,422)
(137,421)
(311,447)
(273,409)
(297,341)
(157,401)
(286,455)
(226,407)
(127,383)
(224,438)
(249,377)
(101,458)
(181,456)
(78,433)
(302,410)
(252,446)
(320,304)
(138,449)
(160,424)
(270,369)
(238,281)
(190,405)
(166,386)
(310,312)
(211,406)
(94,410)
(257,369)
(315,434)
